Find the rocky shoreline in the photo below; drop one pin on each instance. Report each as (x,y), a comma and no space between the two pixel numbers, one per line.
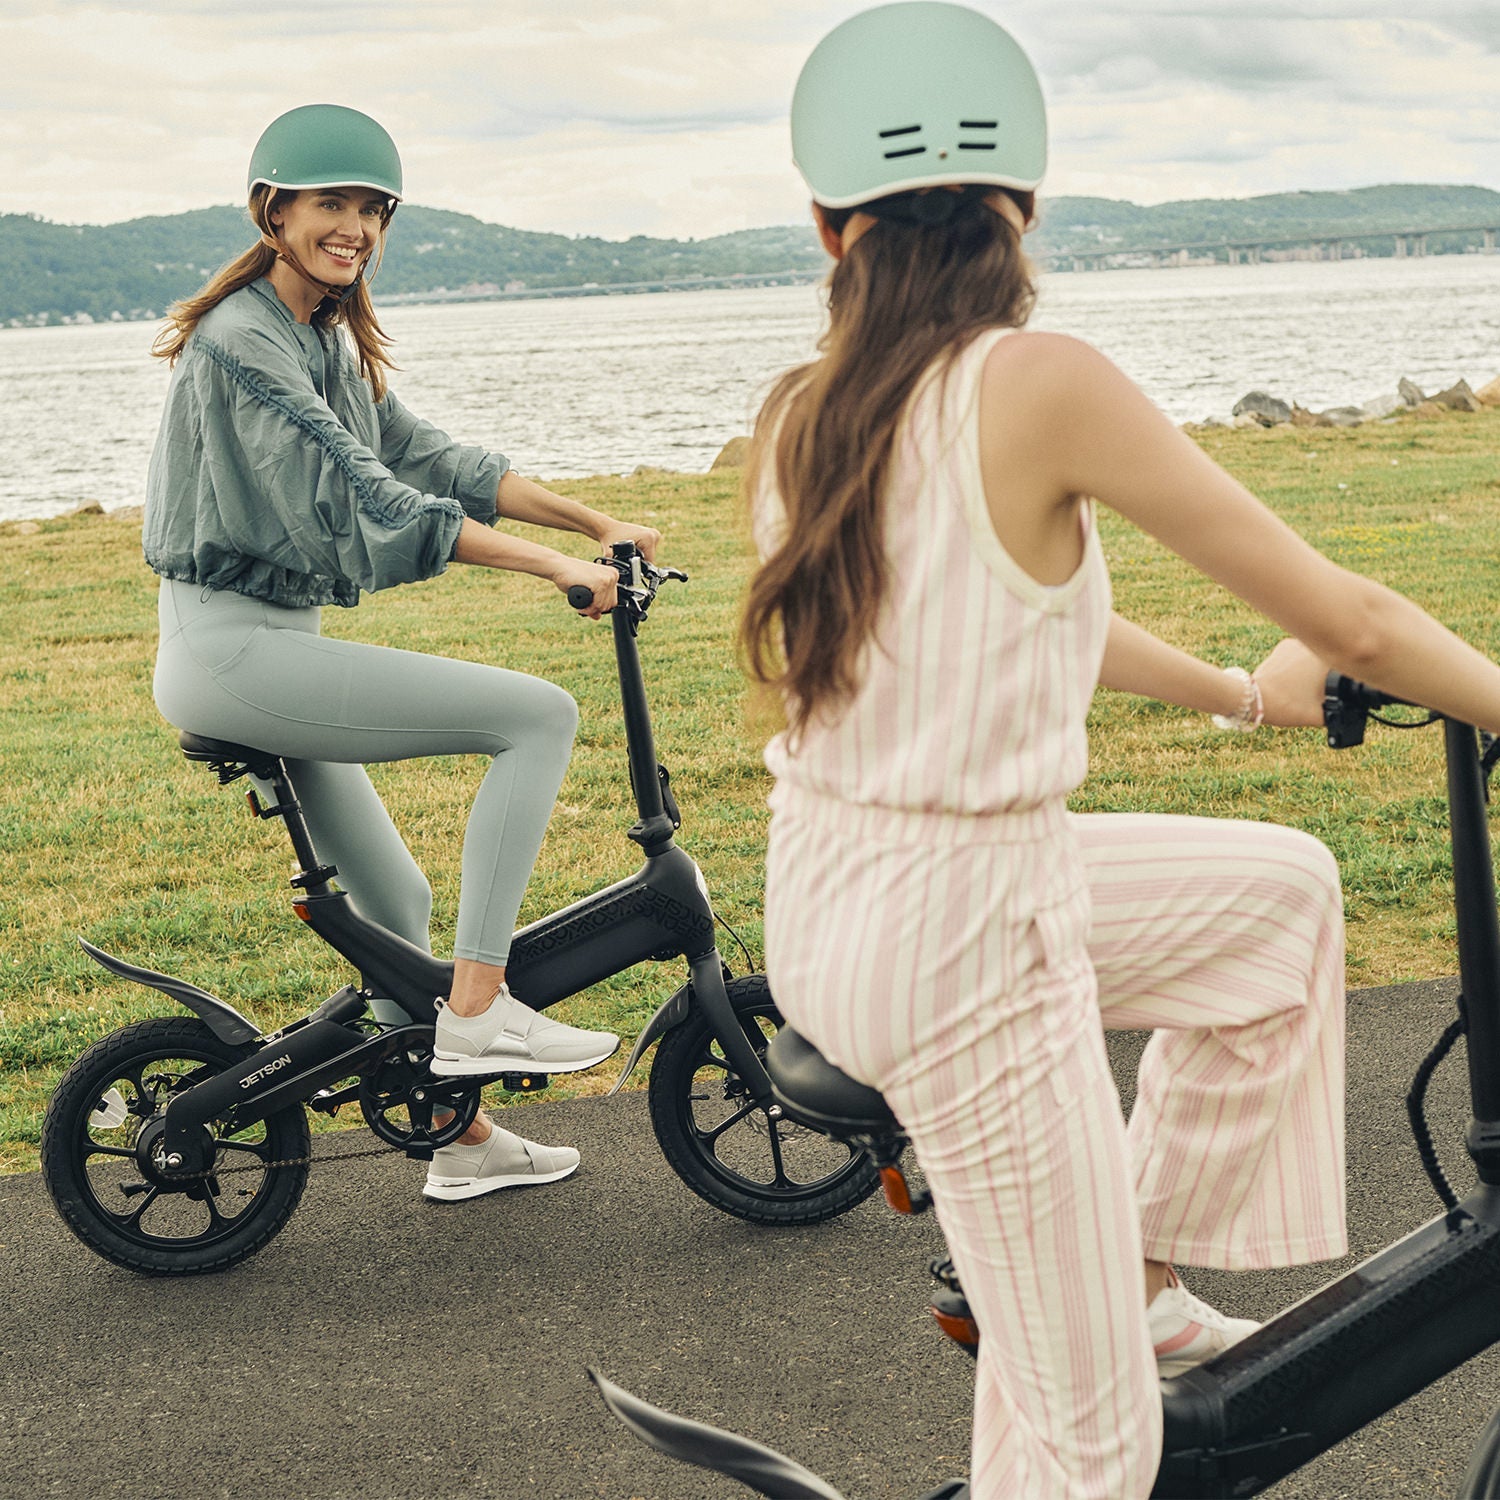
(1262,409)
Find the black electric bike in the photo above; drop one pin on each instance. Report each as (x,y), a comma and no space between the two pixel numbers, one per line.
(1327,1365)
(181,1145)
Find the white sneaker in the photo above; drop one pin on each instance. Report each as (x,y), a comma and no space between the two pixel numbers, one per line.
(501,1160)
(510,1035)
(1186,1330)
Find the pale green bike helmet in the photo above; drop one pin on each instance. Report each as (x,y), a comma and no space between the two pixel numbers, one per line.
(916,95)
(326,145)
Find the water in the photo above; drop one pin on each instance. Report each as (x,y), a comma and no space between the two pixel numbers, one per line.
(600,385)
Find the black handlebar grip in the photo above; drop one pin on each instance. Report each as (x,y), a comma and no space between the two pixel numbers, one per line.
(580,596)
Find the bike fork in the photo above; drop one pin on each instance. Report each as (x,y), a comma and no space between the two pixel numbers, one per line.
(707,972)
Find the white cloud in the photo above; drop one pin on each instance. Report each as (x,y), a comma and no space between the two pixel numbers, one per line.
(668,116)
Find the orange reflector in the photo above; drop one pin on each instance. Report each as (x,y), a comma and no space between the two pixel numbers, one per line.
(300,907)
(897,1194)
(964,1331)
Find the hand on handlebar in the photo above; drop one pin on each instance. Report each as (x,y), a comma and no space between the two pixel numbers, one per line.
(1291,683)
(601,581)
(646,538)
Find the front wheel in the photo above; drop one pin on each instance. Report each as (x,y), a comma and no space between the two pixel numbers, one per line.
(99,1163)
(725,1147)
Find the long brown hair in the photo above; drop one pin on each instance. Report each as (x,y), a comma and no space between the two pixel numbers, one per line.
(356,312)
(904,295)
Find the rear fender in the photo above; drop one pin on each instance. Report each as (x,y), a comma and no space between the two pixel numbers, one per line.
(219,1016)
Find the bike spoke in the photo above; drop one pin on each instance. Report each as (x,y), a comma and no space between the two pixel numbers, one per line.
(781,1179)
(710,1136)
(96,1148)
(134,1220)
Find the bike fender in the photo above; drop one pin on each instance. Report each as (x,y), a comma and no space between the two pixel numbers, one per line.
(673,1013)
(221,1018)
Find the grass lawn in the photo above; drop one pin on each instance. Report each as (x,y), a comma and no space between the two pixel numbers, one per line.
(105,831)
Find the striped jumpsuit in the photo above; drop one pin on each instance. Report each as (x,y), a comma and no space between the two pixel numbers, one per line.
(942,928)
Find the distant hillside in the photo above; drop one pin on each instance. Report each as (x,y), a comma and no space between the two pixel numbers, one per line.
(55,272)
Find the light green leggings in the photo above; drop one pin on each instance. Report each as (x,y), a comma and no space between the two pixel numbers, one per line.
(239,669)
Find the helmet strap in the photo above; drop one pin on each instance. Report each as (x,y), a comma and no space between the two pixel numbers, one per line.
(340,294)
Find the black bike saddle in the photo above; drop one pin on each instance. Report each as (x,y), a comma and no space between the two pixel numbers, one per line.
(225,752)
(811,1088)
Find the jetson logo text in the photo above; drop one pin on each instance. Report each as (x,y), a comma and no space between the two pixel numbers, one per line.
(274,1066)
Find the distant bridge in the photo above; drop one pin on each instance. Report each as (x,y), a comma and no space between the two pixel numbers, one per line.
(1408,243)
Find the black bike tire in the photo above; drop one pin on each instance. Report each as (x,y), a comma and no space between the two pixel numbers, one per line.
(64,1173)
(678,1056)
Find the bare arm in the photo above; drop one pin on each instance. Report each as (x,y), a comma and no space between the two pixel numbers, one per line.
(1074,425)
(523,499)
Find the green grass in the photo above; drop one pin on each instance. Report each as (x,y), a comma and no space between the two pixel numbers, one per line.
(107,832)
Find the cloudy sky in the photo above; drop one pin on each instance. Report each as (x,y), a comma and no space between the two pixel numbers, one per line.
(668,117)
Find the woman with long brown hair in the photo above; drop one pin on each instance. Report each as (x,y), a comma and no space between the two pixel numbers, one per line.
(287,476)
(934,608)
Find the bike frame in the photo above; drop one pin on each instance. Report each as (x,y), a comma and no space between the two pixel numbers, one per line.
(663,911)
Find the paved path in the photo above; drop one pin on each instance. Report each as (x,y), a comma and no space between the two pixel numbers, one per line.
(386,1347)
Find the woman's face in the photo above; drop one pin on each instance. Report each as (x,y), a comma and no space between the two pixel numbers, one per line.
(332,231)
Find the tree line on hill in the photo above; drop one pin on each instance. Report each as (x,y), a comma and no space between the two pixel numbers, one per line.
(52,273)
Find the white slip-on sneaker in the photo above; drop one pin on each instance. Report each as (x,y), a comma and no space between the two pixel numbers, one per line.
(1186,1330)
(501,1160)
(510,1035)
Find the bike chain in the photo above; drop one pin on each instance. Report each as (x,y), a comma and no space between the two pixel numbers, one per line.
(270,1166)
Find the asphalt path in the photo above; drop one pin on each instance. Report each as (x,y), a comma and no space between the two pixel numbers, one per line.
(383,1346)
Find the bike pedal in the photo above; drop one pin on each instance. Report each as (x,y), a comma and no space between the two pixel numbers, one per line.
(524,1083)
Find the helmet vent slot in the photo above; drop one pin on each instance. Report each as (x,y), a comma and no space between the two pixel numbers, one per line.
(885,135)
(910,151)
(978,124)
(976,145)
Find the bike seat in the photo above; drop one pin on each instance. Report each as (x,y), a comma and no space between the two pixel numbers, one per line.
(221,752)
(810,1087)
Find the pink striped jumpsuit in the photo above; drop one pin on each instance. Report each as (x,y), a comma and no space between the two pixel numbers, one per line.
(942,928)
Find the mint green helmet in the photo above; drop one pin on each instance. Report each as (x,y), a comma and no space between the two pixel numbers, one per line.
(326,145)
(916,95)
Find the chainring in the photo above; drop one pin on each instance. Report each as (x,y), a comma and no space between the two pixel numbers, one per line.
(399,1096)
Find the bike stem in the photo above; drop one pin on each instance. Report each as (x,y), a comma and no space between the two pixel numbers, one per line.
(654,830)
(1478,942)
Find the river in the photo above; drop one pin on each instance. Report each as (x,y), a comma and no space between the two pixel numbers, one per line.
(599,385)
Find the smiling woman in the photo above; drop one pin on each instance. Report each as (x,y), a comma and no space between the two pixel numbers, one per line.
(286,477)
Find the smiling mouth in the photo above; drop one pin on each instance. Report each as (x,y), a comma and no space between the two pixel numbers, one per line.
(345,255)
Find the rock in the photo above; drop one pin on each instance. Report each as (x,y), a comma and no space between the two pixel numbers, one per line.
(731,455)
(127,513)
(88,508)
(1489,395)
(25,528)
(1427,409)
(650,471)
(1342,416)
(1410,392)
(1246,420)
(1301,417)
(1382,406)
(1267,409)
(1457,398)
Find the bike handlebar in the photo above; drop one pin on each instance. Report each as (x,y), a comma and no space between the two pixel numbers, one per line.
(639,580)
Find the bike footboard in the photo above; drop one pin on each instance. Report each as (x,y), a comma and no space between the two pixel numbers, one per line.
(1327,1366)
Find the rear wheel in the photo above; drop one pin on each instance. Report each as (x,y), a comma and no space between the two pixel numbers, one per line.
(100,1142)
(725,1147)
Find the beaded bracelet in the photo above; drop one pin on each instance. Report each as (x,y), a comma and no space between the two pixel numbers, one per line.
(1251,710)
